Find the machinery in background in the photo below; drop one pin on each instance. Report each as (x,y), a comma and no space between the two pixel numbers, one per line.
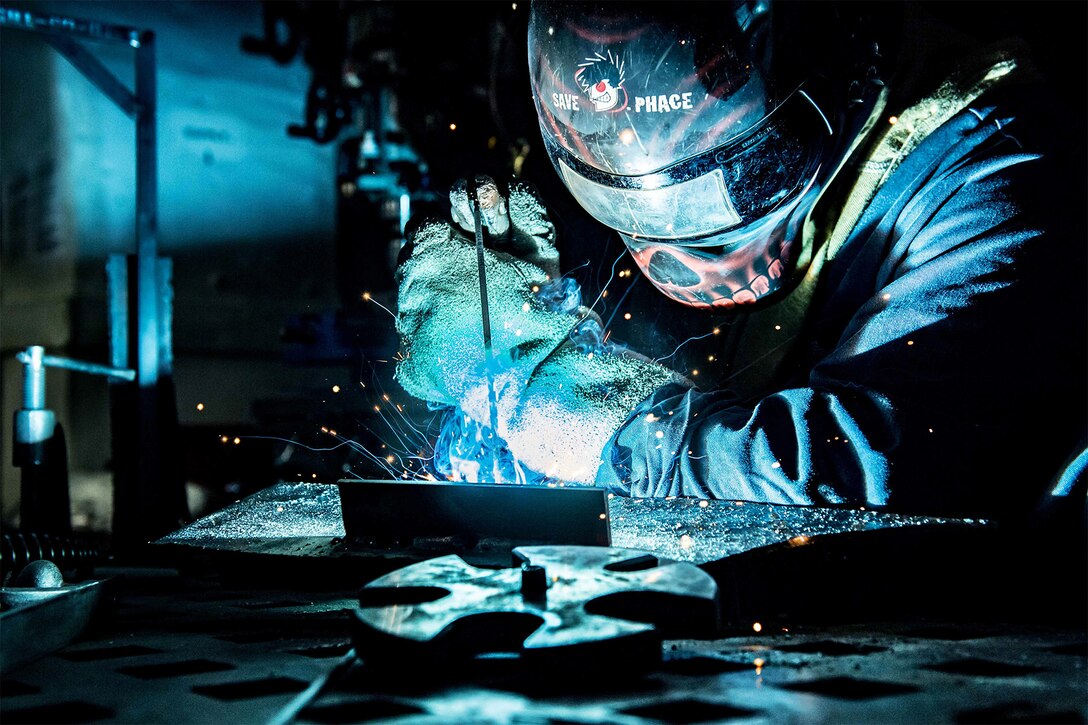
(149,495)
(410,106)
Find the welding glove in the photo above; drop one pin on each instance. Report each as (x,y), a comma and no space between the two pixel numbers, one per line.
(557,405)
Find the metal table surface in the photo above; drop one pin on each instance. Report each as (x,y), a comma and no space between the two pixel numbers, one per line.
(183,649)
(862,617)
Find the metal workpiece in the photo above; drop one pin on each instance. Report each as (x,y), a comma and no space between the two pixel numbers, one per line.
(774,564)
(684,529)
(583,603)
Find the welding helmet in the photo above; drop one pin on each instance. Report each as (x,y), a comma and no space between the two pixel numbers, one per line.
(672,124)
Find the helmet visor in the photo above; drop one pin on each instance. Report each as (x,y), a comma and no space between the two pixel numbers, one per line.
(731,185)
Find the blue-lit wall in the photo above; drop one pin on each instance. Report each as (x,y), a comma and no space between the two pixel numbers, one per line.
(246,213)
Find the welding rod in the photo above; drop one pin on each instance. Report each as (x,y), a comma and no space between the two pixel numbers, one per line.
(478,226)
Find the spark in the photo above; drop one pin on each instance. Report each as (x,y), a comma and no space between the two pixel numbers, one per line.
(200,406)
(619,303)
(336,388)
(757,627)
(368,298)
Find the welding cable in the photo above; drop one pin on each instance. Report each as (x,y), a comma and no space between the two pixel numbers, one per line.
(310,694)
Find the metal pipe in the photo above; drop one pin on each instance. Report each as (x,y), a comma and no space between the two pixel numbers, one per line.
(35,360)
(147,222)
(95,72)
(60,25)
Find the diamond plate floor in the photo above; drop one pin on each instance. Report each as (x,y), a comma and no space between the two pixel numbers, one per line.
(192,650)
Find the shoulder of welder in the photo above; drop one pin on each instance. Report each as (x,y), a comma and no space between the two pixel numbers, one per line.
(1001,117)
(1004,86)
(1037,128)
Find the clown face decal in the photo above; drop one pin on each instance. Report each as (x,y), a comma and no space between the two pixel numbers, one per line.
(601,78)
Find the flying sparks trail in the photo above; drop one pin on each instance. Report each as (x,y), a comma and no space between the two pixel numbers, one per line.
(685,342)
(611,276)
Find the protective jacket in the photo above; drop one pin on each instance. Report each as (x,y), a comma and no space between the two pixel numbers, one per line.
(933,357)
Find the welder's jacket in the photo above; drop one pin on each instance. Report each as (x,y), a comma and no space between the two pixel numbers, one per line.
(936,351)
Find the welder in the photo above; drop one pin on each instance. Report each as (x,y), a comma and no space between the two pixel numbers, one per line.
(889,215)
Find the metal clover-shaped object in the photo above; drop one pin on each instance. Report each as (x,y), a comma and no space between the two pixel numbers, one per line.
(569,602)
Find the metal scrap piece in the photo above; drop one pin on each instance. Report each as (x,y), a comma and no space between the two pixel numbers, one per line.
(434,609)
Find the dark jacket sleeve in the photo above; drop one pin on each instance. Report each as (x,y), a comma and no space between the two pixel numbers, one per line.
(945,351)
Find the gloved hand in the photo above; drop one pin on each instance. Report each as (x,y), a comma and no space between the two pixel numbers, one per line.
(557,406)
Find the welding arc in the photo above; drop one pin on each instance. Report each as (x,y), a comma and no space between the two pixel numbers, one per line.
(478,226)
